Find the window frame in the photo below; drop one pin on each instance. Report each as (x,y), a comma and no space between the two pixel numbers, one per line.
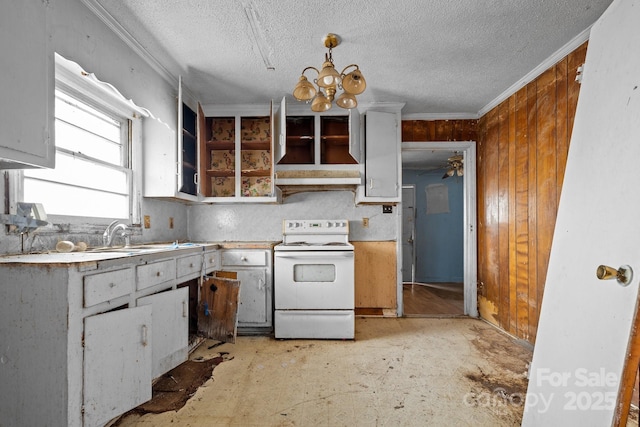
(72,80)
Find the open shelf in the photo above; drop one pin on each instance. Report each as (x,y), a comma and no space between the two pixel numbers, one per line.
(230,140)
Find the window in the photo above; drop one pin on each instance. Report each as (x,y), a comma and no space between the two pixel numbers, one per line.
(92,177)
(98,142)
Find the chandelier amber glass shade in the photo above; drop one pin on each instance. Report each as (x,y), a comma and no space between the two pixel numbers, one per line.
(320,103)
(347,100)
(354,82)
(304,90)
(328,76)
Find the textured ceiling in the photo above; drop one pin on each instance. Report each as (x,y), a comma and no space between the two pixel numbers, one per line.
(438,57)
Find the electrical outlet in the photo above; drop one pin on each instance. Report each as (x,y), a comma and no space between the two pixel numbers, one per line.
(387,208)
(365,222)
(147,221)
(170,222)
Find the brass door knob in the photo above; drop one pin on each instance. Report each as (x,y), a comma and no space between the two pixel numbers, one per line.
(623,275)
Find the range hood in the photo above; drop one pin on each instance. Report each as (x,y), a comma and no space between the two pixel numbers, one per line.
(324,177)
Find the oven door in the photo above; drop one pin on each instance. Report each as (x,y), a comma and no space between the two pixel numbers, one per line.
(314,280)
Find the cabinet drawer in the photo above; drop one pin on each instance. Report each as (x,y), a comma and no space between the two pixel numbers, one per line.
(211,260)
(244,258)
(155,273)
(189,265)
(106,286)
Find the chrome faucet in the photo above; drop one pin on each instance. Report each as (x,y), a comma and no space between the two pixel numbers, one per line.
(113,228)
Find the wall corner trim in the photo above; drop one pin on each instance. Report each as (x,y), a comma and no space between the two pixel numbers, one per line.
(541,68)
(97,9)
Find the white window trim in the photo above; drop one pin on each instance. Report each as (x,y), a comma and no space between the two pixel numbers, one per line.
(72,79)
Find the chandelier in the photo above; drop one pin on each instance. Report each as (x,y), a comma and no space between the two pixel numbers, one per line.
(455,166)
(329,81)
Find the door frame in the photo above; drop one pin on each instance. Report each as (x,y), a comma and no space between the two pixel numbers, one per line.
(468,149)
(411,187)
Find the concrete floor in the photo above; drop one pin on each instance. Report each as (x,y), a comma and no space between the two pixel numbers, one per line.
(397,372)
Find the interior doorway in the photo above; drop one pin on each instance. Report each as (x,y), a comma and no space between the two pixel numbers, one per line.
(439,298)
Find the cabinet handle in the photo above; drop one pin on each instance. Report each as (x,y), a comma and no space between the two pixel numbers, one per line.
(191,265)
(195,178)
(112,285)
(159,273)
(144,335)
(260,284)
(370,183)
(184,309)
(243,258)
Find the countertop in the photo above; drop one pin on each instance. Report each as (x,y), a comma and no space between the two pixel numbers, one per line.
(148,250)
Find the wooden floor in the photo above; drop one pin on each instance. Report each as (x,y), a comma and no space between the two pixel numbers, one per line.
(433,299)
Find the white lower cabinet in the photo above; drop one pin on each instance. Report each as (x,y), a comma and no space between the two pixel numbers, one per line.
(81,342)
(253,267)
(117,363)
(170,333)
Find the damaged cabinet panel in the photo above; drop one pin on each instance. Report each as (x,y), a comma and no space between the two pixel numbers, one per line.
(218,308)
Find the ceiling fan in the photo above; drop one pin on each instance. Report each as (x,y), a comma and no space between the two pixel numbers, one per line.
(455,166)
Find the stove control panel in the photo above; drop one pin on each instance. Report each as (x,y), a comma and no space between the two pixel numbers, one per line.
(324,226)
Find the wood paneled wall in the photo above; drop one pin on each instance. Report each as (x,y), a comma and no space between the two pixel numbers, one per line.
(522,151)
(439,130)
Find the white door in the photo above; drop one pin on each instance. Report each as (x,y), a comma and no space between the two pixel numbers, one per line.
(408,233)
(170,319)
(117,363)
(585,323)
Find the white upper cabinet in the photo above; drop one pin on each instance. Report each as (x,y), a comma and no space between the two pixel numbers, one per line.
(171,159)
(237,152)
(27,86)
(382,158)
(318,149)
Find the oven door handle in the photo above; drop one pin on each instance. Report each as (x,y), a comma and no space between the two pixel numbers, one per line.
(316,254)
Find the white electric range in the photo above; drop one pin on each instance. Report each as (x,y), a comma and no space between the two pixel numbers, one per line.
(314,290)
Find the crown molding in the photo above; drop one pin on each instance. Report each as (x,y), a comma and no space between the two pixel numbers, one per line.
(125,36)
(565,50)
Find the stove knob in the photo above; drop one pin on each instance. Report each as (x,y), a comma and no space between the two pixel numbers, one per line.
(329,224)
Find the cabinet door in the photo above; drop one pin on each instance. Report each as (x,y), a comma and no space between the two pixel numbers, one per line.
(381,152)
(280,132)
(354,135)
(187,144)
(26,107)
(117,363)
(254,307)
(170,337)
